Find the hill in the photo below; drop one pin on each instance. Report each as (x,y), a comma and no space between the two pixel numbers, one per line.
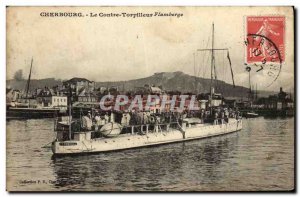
(34,83)
(170,81)
(179,81)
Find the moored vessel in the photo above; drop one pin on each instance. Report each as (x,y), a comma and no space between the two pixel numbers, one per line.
(251,114)
(25,107)
(22,112)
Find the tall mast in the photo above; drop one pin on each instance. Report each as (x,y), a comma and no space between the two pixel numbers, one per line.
(28,81)
(250,92)
(256,93)
(70,120)
(212,66)
(70,112)
(212,61)
(195,73)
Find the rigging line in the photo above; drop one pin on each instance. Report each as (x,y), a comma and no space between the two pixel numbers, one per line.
(195,72)
(205,52)
(204,66)
(215,73)
(203,57)
(194,65)
(224,71)
(223,67)
(200,58)
(197,64)
(219,71)
(228,57)
(200,65)
(205,70)
(28,81)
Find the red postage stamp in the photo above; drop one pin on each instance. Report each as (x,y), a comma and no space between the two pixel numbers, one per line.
(265,39)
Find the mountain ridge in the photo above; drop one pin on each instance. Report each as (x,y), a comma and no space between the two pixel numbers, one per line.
(170,81)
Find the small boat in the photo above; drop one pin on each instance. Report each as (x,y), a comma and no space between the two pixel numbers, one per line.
(251,114)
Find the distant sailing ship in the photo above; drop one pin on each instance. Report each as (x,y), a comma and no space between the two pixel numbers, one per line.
(22,108)
(250,113)
(111,133)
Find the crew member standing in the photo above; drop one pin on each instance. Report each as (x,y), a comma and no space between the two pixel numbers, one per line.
(222,117)
(216,118)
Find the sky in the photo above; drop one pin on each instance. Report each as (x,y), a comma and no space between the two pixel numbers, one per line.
(123,48)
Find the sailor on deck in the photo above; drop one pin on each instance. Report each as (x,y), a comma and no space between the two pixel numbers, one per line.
(87,122)
(222,117)
(237,115)
(89,115)
(202,114)
(97,117)
(106,118)
(226,114)
(215,118)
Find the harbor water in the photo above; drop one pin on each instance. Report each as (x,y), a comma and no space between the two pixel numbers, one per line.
(259,157)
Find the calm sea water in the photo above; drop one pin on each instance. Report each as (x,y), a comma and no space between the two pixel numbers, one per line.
(260,157)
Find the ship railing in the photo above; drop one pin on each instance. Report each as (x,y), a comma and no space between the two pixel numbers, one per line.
(151,128)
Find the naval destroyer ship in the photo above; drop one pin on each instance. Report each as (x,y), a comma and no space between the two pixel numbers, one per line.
(120,130)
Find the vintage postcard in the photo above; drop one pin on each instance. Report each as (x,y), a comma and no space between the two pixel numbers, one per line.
(150,99)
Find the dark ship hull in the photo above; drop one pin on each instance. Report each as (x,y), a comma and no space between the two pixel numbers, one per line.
(31,113)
